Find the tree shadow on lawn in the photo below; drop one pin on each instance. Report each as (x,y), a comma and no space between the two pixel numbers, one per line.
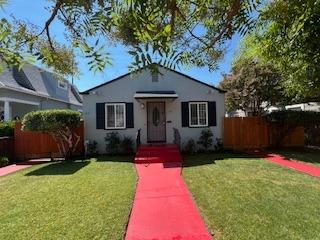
(115,158)
(211,158)
(60,168)
(307,155)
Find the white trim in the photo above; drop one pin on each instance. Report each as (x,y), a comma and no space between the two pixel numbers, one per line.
(154,95)
(197,104)
(40,95)
(115,115)
(19,101)
(7,111)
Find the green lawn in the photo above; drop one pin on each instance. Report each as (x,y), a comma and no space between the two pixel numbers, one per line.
(79,200)
(306,155)
(248,198)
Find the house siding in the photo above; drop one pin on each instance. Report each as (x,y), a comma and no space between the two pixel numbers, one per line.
(19,109)
(123,90)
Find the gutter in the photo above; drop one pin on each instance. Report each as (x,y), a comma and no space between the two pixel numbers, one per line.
(38,95)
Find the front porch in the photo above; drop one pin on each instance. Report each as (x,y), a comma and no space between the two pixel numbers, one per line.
(157,114)
(13,108)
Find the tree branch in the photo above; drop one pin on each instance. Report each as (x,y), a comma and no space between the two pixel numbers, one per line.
(49,21)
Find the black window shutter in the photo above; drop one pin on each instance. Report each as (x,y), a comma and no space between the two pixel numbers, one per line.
(212,115)
(185,114)
(129,115)
(100,115)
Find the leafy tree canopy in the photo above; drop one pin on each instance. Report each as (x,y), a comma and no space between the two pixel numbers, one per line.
(170,32)
(287,35)
(252,86)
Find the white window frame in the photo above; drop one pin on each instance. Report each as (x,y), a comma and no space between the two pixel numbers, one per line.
(198,125)
(64,85)
(115,115)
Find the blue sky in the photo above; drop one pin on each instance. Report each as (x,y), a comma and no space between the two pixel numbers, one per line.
(34,11)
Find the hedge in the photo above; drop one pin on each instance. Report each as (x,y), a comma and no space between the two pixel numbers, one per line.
(302,118)
(7,129)
(51,120)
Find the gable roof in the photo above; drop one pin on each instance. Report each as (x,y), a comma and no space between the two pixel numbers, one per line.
(37,81)
(169,69)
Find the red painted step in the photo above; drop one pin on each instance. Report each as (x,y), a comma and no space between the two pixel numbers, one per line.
(158,154)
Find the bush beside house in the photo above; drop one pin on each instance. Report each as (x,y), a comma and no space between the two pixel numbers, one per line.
(7,129)
(58,123)
(116,144)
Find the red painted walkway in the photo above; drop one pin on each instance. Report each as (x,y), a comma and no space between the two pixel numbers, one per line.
(293,164)
(19,166)
(163,208)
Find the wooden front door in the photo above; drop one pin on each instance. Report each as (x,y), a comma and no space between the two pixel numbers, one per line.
(156,121)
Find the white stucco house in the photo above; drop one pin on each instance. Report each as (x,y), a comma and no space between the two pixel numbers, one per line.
(33,88)
(161,106)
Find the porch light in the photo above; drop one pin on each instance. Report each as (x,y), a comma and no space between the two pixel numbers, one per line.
(142,105)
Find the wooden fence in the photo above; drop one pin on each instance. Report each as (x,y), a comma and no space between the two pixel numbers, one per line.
(39,145)
(255,132)
(7,147)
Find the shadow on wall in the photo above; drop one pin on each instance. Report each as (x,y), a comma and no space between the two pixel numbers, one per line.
(60,168)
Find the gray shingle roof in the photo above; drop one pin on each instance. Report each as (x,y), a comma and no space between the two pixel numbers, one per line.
(34,80)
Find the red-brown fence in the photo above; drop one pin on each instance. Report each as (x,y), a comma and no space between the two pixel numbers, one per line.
(255,132)
(39,145)
(7,147)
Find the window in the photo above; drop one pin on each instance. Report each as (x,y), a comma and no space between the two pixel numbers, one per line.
(115,115)
(198,114)
(62,85)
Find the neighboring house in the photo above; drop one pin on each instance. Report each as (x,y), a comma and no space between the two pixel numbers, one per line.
(155,104)
(32,88)
(310,106)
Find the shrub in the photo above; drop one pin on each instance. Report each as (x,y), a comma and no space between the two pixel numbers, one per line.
(4,161)
(59,123)
(126,145)
(7,129)
(93,148)
(190,147)
(218,147)
(206,139)
(113,141)
(297,118)
(115,144)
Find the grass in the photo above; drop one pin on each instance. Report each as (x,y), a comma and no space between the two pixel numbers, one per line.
(248,198)
(78,200)
(307,155)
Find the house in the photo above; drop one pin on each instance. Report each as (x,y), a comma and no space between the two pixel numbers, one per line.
(164,106)
(309,106)
(33,88)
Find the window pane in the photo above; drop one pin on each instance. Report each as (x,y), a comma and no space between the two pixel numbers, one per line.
(119,116)
(110,116)
(194,114)
(202,114)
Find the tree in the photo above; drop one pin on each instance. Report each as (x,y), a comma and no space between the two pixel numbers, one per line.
(287,35)
(20,43)
(170,32)
(252,87)
(60,124)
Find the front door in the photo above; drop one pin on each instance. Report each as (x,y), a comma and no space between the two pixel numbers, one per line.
(156,117)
